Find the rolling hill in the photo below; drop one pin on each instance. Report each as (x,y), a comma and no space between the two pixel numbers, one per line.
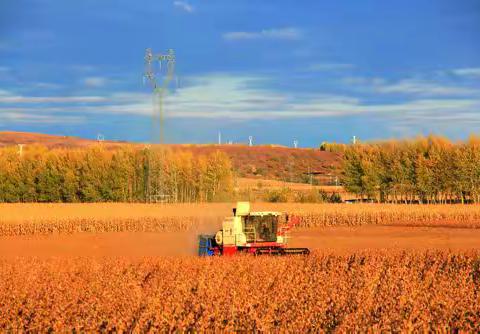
(260,162)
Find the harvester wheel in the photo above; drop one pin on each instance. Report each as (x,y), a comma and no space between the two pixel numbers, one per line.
(219,237)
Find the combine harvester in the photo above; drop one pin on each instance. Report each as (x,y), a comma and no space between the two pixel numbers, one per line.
(251,232)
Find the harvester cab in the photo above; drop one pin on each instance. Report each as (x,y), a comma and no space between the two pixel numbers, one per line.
(251,232)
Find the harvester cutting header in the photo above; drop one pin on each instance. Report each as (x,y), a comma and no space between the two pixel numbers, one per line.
(251,232)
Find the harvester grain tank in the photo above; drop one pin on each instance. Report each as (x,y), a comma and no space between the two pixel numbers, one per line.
(251,232)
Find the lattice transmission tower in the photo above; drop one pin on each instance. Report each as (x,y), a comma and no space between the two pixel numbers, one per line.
(159,73)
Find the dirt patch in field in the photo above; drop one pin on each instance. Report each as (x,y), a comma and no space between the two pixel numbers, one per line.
(347,239)
(335,239)
(99,244)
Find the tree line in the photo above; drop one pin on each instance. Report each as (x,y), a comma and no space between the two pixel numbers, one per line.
(424,170)
(126,174)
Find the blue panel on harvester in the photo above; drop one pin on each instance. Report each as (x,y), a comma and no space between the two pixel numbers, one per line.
(205,244)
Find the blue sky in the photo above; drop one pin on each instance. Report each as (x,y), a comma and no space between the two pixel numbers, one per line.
(277,70)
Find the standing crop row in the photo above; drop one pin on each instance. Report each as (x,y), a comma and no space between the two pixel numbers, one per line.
(29,219)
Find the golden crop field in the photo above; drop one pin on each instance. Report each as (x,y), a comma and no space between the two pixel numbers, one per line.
(374,290)
(77,278)
(28,219)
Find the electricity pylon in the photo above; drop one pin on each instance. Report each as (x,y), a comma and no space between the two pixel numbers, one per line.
(160,85)
(159,81)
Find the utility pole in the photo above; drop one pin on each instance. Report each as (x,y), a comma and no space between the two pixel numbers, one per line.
(295,143)
(250,140)
(219,138)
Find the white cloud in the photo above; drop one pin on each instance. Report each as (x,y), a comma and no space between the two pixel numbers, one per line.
(472,71)
(362,81)
(282,33)
(223,96)
(95,82)
(184,6)
(83,68)
(46,85)
(318,67)
(20,116)
(8,97)
(420,87)
(410,87)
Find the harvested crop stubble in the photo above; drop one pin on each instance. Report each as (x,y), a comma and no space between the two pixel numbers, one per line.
(380,290)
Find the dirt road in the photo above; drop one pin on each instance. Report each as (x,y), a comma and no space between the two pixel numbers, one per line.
(336,240)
